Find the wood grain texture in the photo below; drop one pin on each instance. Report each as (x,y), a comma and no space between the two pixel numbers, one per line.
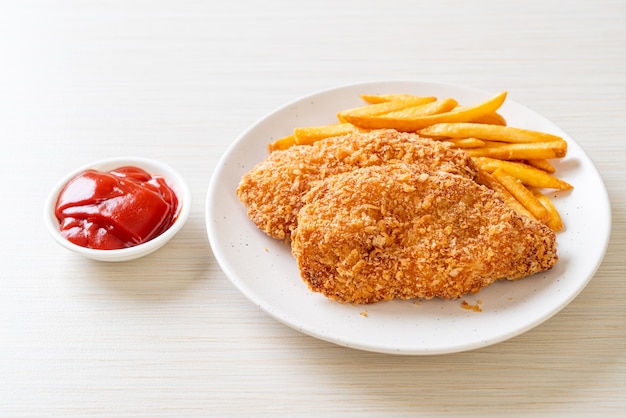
(169,335)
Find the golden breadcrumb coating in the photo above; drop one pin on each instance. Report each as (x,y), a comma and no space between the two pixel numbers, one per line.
(273,190)
(399,231)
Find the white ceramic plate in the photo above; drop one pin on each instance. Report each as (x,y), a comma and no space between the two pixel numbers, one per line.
(265,271)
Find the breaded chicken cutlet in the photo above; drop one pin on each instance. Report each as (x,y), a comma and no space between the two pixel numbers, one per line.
(397,231)
(273,190)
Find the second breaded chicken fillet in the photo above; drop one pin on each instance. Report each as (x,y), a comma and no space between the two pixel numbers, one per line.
(273,190)
(396,231)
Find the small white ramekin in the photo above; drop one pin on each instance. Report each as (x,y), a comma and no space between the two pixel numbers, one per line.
(175,180)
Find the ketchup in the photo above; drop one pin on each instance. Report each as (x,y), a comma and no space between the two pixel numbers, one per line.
(116,209)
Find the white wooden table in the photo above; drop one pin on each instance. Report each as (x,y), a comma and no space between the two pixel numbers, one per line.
(169,335)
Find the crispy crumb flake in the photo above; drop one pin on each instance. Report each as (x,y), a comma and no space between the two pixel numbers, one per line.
(475,308)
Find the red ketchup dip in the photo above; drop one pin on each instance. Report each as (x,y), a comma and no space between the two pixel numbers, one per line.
(118,209)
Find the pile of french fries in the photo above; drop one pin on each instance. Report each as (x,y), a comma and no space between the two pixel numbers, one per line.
(513,162)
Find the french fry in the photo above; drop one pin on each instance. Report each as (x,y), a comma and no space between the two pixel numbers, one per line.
(282,143)
(308,135)
(544,165)
(465,114)
(532,151)
(432,108)
(465,142)
(373,99)
(554,220)
(528,175)
(383,107)
(492,119)
(487,132)
(522,194)
(486,179)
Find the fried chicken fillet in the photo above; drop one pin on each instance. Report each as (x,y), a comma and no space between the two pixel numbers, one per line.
(272,191)
(399,231)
